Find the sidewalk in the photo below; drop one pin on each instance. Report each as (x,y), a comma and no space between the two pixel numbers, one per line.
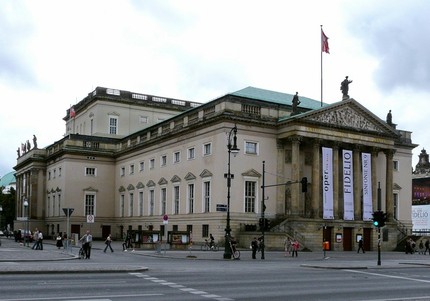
(16,258)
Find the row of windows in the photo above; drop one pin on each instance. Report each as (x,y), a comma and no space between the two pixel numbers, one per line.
(127,202)
(250,148)
(54,205)
(89,171)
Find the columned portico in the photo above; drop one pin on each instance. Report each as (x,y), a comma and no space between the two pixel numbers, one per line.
(316,183)
(295,175)
(389,185)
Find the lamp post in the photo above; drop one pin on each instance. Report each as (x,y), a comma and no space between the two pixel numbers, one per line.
(231,149)
(1,211)
(26,234)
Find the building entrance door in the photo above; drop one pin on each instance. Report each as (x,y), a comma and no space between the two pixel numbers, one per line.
(347,239)
(367,238)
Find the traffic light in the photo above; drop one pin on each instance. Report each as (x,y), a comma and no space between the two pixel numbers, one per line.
(304,182)
(379,218)
(264,224)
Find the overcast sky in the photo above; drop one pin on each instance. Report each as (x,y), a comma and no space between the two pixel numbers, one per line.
(53,53)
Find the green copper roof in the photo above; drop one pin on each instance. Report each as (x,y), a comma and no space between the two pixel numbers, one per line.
(277,97)
(7,179)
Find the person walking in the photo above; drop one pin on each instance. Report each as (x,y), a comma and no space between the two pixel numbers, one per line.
(295,247)
(87,240)
(287,246)
(35,239)
(360,246)
(59,241)
(254,247)
(40,240)
(108,242)
(427,247)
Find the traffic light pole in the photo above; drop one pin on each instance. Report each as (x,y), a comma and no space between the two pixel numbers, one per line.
(379,246)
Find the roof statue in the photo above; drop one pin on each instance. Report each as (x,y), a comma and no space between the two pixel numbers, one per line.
(295,103)
(344,86)
(389,118)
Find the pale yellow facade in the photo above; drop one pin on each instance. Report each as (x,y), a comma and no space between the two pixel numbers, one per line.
(174,164)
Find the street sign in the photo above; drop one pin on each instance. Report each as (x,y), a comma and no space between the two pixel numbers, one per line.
(68,211)
(221,207)
(165,219)
(90,218)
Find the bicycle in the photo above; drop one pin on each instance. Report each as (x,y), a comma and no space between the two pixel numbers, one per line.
(234,251)
(209,246)
(81,253)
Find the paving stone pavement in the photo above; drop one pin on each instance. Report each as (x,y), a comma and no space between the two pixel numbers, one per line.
(19,258)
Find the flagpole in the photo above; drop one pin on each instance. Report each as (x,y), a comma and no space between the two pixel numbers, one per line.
(321,50)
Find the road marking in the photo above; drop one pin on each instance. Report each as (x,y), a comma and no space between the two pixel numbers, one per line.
(84,298)
(181,287)
(389,276)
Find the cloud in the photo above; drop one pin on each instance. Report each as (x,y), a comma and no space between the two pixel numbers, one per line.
(397,33)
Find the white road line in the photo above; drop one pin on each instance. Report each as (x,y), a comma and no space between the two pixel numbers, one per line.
(389,276)
(180,287)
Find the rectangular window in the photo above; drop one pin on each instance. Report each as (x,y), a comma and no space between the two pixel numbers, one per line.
(163,200)
(205,230)
(53,206)
(207,149)
(121,205)
(190,229)
(130,202)
(151,164)
(396,205)
(55,173)
(396,165)
(59,172)
(140,203)
(207,196)
(191,198)
(163,160)
(191,153)
(151,202)
(48,204)
(90,203)
(176,200)
(176,157)
(122,171)
(132,169)
(141,166)
(91,126)
(59,205)
(250,194)
(143,119)
(90,171)
(251,148)
(113,125)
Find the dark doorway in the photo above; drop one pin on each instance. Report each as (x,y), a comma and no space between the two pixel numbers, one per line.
(367,238)
(347,239)
(75,229)
(327,236)
(106,231)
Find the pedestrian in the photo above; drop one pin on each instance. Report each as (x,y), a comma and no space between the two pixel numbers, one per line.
(87,240)
(287,246)
(427,247)
(59,243)
(295,247)
(35,238)
(360,246)
(127,243)
(421,247)
(40,240)
(254,247)
(108,242)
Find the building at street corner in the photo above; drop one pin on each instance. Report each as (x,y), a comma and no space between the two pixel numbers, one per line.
(128,159)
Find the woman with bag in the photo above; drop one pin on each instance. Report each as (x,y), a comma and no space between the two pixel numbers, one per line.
(108,242)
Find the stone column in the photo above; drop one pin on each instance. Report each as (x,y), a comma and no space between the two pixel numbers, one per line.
(336,181)
(358,214)
(295,174)
(389,205)
(280,202)
(374,180)
(316,180)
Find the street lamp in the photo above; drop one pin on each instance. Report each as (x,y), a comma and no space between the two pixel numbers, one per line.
(26,234)
(1,211)
(231,149)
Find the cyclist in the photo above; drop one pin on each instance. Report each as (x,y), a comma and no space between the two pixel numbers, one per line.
(212,241)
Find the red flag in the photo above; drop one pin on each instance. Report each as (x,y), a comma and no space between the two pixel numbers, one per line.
(72,112)
(324,42)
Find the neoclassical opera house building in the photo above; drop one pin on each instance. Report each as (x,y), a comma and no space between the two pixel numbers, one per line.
(129,159)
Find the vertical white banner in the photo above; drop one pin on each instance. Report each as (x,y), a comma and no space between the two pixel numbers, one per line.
(366,164)
(327,170)
(348,186)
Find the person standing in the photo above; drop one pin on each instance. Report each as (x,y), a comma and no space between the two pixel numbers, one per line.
(360,246)
(35,238)
(295,247)
(59,241)
(108,242)
(87,240)
(254,247)
(427,247)
(40,240)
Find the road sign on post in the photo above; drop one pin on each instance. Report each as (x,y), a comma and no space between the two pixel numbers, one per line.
(165,219)
(68,212)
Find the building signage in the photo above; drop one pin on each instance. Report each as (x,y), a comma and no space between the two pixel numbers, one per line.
(348,185)
(327,178)
(366,163)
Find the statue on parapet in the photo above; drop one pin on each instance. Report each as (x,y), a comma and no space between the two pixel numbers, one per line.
(34,142)
(18,152)
(344,87)
(28,145)
(295,103)
(389,118)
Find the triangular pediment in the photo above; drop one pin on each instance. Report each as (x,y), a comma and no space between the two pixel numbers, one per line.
(206,174)
(162,181)
(350,115)
(190,176)
(140,185)
(150,183)
(175,179)
(251,173)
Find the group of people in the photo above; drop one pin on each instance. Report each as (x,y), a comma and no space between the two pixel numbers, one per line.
(291,247)
(37,240)
(411,247)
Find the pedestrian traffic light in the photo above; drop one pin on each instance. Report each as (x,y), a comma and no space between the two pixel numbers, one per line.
(379,218)
(304,182)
